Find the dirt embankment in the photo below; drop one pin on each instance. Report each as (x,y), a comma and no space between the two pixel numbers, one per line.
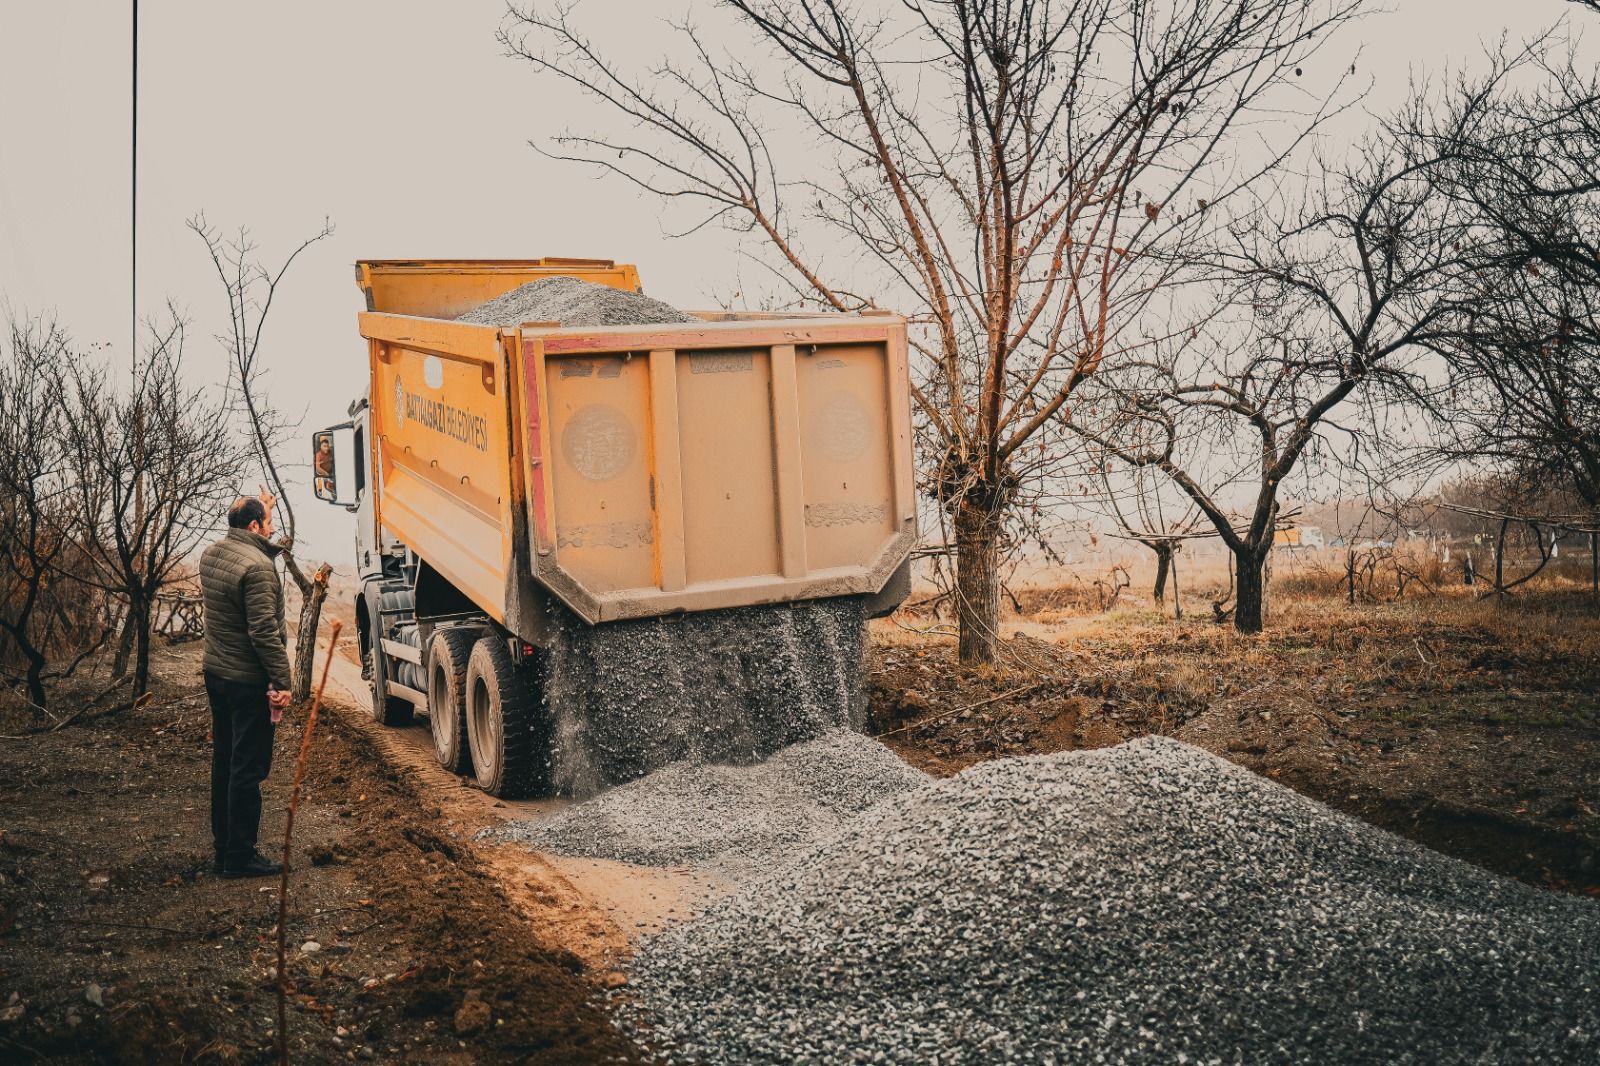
(118,943)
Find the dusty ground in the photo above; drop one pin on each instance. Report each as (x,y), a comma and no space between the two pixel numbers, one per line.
(118,944)
(594,909)
(1471,726)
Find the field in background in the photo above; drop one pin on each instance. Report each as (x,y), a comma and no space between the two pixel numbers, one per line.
(1120,573)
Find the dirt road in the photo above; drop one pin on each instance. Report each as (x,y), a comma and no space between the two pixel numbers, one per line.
(594,909)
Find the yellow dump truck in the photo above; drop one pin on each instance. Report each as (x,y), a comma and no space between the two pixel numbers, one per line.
(516,482)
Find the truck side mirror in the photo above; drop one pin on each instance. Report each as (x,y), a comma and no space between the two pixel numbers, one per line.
(324,474)
(325,466)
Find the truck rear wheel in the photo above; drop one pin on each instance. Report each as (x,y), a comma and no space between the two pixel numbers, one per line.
(448,653)
(386,709)
(503,721)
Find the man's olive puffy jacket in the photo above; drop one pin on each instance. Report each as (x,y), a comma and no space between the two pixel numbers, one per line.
(245,635)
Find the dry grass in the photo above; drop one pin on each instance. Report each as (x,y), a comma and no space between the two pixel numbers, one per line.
(1533,656)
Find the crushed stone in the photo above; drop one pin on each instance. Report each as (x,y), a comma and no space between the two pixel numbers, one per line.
(573,303)
(736,685)
(1144,903)
(733,820)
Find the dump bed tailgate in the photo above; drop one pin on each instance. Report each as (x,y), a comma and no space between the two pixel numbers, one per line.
(690,467)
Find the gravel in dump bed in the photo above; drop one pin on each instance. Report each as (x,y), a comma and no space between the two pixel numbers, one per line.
(1149,903)
(573,303)
(735,819)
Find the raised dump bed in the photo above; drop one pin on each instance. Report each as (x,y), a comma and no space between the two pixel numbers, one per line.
(624,472)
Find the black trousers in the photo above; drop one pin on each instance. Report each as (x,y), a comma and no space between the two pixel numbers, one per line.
(241,755)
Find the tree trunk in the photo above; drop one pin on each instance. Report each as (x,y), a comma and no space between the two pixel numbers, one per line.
(977,584)
(1177,593)
(1594,567)
(34,677)
(119,665)
(1266,584)
(1250,590)
(305,642)
(1163,552)
(139,615)
(28,647)
(1500,558)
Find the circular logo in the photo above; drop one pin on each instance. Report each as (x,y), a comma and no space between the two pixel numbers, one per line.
(598,442)
(399,403)
(433,372)
(843,428)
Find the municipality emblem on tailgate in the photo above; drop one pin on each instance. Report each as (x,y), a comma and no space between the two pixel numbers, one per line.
(399,403)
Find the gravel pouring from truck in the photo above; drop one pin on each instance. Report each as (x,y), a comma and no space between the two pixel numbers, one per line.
(516,484)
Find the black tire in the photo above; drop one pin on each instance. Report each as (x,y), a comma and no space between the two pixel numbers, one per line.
(447,657)
(386,709)
(504,722)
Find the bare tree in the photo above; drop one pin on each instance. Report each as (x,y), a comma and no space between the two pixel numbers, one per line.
(1524,397)
(153,468)
(1336,301)
(1525,509)
(35,497)
(250,287)
(1009,174)
(1138,502)
(1519,157)
(1525,392)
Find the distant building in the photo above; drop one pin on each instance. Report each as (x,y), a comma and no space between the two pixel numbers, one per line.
(1298,537)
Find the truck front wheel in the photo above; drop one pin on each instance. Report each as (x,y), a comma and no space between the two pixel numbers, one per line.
(503,721)
(448,653)
(386,709)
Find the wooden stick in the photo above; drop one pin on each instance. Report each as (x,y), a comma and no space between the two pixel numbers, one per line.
(288,839)
(1023,691)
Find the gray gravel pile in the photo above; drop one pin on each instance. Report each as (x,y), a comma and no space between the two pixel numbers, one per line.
(1148,903)
(573,303)
(736,820)
(628,698)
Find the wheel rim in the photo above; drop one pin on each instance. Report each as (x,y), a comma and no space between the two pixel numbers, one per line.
(480,721)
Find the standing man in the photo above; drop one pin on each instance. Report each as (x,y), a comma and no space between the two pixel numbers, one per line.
(247,679)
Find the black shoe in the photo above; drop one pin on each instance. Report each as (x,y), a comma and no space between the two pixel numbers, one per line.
(257,865)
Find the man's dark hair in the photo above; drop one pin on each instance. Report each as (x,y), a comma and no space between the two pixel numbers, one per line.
(246,510)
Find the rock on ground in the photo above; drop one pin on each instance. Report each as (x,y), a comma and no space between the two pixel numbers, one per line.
(573,303)
(1138,904)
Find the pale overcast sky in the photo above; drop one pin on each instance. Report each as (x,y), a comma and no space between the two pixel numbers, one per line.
(402,122)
